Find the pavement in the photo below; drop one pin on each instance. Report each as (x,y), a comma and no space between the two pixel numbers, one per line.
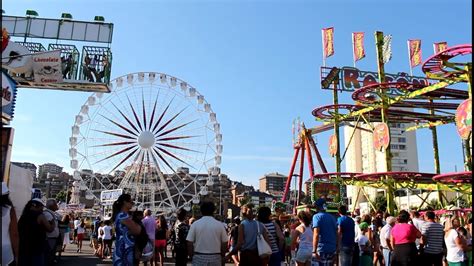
(71,258)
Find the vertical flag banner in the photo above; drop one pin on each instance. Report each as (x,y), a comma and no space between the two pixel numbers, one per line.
(358,43)
(387,48)
(439,47)
(414,47)
(328,42)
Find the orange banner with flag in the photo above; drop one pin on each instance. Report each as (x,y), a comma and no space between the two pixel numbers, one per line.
(328,42)
(440,46)
(415,52)
(358,45)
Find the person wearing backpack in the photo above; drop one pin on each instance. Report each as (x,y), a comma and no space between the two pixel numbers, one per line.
(180,230)
(142,241)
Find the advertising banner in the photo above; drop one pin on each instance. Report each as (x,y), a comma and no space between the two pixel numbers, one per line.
(381,136)
(328,42)
(440,46)
(351,79)
(333,145)
(8,98)
(47,67)
(109,196)
(414,47)
(358,43)
(327,189)
(387,48)
(464,119)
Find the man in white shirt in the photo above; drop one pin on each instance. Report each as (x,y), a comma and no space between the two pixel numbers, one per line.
(77,222)
(387,248)
(52,237)
(207,238)
(355,254)
(418,223)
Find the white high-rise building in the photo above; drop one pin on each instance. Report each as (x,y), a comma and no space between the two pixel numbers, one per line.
(362,157)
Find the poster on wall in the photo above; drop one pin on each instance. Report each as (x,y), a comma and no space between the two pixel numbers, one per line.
(381,136)
(7,141)
(327,189)
(333,145)
(8,98)
(464,119)
(47,67)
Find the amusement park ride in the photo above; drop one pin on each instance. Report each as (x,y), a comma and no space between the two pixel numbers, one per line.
(425,103)
(148,134)
(165,136)
(27,64)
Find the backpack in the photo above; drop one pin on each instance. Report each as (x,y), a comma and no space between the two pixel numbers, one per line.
(143,245)
(180,233)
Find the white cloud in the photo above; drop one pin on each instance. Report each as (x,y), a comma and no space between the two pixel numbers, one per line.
(22,118)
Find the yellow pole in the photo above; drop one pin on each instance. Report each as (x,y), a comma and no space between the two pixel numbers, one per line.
(379,41)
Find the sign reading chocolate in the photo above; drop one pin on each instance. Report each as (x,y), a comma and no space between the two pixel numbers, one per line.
(351,79)
(47,67)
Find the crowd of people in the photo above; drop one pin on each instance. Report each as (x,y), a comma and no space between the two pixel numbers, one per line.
(312,237)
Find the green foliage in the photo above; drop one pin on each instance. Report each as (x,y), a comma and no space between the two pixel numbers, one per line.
(61,196)
(196,211)
(380,203)
(245,200)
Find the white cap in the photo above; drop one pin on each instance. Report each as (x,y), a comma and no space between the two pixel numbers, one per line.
(5,189)
(391,219)
(38,200)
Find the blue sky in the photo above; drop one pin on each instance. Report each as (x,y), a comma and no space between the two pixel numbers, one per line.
(256,62)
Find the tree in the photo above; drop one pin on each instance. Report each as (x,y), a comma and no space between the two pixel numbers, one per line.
(62,195)
(245,200)
(381,202)
(195,211)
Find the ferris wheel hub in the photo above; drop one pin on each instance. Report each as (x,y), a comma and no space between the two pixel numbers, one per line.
(146,139)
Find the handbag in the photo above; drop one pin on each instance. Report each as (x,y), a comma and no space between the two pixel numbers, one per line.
(264,249)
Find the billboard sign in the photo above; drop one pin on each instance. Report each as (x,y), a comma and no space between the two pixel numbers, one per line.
(330,190)
(351,79)
(47,67)
(109,196)
(8,98)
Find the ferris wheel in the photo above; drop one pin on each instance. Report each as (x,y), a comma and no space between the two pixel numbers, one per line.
(154,136)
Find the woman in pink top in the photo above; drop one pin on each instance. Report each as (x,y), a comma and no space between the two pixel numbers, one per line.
(403,236)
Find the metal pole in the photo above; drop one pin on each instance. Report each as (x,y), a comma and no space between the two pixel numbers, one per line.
(296,197)
(409,58)
(353,51)
(336,127)
(322,40)
(379,41)
(434,134)
(408,199)
(308,155)
(318,155)
(292,169)
(301,171)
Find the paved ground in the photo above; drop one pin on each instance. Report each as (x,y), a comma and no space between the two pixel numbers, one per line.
(71,258)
